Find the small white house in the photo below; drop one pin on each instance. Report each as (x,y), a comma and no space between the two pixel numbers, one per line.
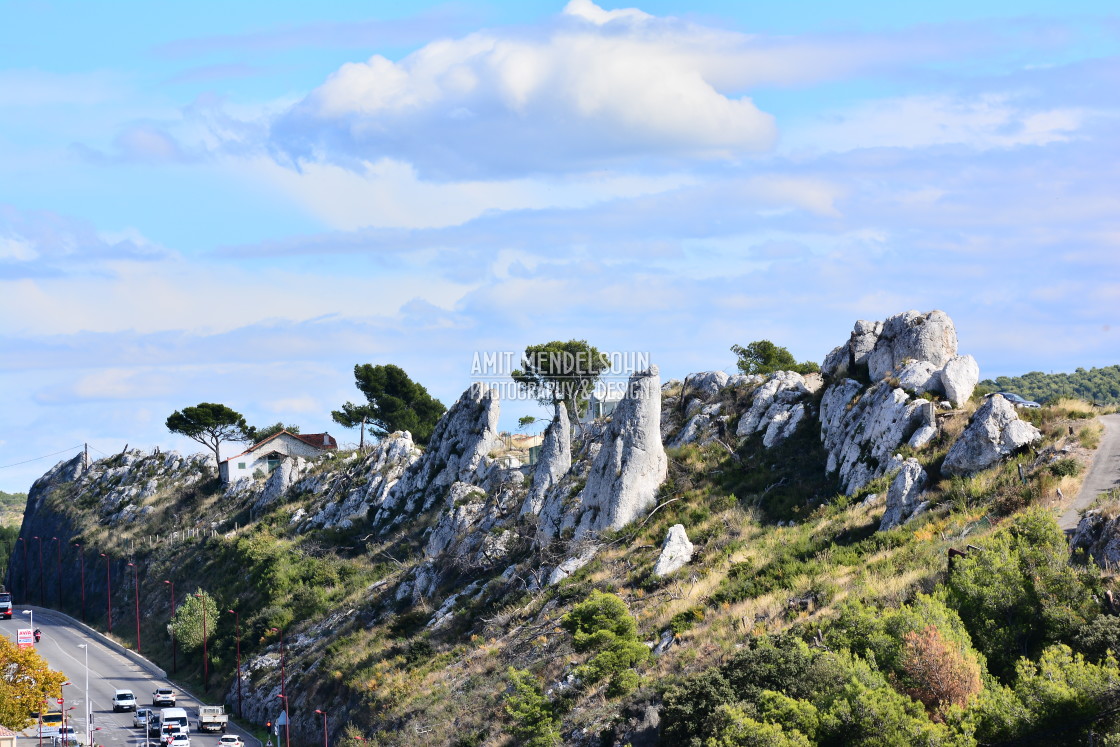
(267,455)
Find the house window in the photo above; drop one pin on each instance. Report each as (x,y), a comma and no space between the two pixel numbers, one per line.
(241,465)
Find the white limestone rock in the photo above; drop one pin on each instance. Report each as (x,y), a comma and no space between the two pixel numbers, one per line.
(777,409)
(365,484)
(920,377)
(571,565)
(459,445)
(904,494)
(959,378)
(994,433)
(861,430)
(555,461)
(922,436)
(706,384)
(912,336)
(631,465)
(699,426)
(282,478)
(676,552)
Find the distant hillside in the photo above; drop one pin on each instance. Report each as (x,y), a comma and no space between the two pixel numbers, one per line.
(1101,385)
(11,508)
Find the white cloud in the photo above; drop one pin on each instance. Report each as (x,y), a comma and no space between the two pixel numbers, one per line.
(984,122)
(390,194)
(592,85)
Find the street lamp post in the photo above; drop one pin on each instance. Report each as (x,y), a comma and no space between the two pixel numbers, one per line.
(283,688)
(89,735)
(174,643)
(205,657)
(136,584)
(108,594)
(42,597)
(324,715)
(237,620)
(58,547)
(82,558)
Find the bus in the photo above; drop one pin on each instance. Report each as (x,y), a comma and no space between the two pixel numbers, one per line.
(49,723)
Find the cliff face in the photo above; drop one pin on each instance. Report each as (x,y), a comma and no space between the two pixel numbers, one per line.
(420,542)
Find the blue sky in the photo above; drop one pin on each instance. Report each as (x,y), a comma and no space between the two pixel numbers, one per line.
(238,202)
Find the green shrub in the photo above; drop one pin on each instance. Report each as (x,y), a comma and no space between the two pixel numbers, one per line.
(1067,467)
(533,722)
(602,624)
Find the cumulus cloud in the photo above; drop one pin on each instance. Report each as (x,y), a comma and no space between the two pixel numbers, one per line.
(591,87)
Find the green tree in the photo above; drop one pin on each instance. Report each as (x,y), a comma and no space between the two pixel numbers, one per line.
(25,680)
(602,624)
(764,357)
(562,372)
(197,611)
(394,402)
(733,726)
(533,721)
(209,424)
(256,435)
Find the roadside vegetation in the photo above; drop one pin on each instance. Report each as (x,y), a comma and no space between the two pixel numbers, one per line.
(1099,385)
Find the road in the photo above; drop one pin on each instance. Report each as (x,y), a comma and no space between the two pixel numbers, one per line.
(1103,475)
(108,671)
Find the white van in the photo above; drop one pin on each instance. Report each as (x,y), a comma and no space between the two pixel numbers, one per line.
(169,716)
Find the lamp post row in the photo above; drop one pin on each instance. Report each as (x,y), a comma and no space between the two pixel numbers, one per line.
(174,643)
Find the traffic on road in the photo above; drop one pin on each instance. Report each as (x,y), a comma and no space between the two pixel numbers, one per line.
(123,698)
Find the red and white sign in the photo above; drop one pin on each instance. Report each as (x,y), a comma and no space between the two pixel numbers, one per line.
(25,638)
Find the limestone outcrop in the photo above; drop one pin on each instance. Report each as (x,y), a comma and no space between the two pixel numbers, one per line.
(363,485)
(994,433)
(630,466)
(861,429)
(676,552)
(904,495)
(459,446)
(778,407)
(555,461)
(959,378)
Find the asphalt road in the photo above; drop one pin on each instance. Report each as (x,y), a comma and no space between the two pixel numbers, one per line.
(108,670)
(1103,475)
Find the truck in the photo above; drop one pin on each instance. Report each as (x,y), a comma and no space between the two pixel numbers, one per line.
(212,718)
(5,604)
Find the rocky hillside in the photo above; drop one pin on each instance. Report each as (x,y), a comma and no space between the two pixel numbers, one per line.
(408,582)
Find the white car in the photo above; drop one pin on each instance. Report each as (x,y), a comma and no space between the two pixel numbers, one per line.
(180,740)
(124,700)
(230,740)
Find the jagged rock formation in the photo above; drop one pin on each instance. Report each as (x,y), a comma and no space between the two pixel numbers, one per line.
(631,464)
(676,552)
(363,486)
(862,429)
(555,461)
(906,355)
(904,495)
(779,406)
(458,447)
(994,433)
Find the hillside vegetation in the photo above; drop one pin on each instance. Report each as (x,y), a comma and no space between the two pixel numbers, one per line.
(819,632)
(1100,385)
(11,508)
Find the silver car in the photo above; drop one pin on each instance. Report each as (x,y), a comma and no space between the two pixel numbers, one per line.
(1019,401)
(140,718)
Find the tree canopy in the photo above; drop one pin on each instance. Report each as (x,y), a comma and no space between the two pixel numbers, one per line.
(394,402)
(25,679)
(209,423)
(256,435)
(187,622)
(764,357)
(1096,385)
(562,372)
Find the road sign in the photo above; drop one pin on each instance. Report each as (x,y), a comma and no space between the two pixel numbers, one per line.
(25,638)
